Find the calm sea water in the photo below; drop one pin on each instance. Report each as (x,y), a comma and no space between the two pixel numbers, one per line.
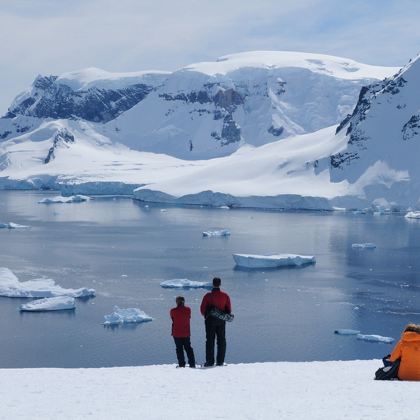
(124,250)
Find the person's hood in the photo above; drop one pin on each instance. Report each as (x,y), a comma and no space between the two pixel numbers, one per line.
(410,336)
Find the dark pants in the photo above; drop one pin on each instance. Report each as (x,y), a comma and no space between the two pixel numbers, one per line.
(215,328)
(184,343)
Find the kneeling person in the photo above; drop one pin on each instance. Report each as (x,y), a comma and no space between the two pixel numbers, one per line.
(181,316)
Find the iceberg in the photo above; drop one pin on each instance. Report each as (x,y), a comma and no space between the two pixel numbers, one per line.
(375,338)
(346,331)
(60,199)
(59,303)
(10,286)
(216,232)
(126,316)
(272,261)
(367,245)
(413,215)
(12,225)
(185,284)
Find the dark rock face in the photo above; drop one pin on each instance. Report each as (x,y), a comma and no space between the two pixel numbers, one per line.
(62,137)
(52,100)
(411,128)
(277,132)
(231,132)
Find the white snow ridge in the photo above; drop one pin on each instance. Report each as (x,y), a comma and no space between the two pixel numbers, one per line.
(272,261)
(126,316)
(11,287)
(59,303)
(184,284)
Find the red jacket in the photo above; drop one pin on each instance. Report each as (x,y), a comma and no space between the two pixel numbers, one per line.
(216,298)
(181,316)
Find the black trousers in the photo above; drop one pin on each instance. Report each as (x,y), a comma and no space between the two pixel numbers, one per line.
(215,328)
(184,343)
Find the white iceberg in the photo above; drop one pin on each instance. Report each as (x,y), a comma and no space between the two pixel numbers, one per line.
(126,316)
(367,245)
(375,338)
(272,261)
(60,199)
(413,215)
(59,303)
(10,286)
(346,331)
(216,232)
(12,225)
(184,284)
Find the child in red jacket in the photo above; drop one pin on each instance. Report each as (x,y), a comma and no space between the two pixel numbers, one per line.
(181,316)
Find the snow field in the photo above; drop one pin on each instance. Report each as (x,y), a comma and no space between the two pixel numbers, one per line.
(261,391)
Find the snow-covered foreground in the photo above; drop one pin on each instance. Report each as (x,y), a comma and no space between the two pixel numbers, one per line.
(316,390)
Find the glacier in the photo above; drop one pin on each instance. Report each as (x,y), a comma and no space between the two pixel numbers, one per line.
(59,303)
(11,287)
(272,261)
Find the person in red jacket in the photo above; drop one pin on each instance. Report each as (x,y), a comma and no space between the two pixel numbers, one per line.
(181,316)
(215,327)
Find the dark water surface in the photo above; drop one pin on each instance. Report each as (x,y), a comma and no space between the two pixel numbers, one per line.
(124,251)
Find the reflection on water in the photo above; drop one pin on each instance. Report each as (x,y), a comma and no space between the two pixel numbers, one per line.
(124,250)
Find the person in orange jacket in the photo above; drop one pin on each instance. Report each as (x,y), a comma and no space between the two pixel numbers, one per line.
(408,349)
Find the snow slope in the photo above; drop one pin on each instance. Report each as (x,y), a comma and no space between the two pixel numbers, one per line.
(260,391)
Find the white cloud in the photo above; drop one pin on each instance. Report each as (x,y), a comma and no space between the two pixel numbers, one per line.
(50,36)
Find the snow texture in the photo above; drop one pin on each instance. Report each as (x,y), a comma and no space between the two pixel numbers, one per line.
(10,286)
(260,391)
(12,225)
(216,232)
(272,261)
(60,199)
(126,316)
(346,331)
(59,303)
(375,338)
(185,284)
(366,245)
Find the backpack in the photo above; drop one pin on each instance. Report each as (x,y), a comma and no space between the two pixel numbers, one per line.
(217,313)
(388,373)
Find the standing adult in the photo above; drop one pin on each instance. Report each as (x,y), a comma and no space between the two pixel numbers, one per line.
(215,327)
(181,316)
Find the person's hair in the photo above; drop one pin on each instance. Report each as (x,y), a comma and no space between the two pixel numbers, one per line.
(413,328)
(217,282)
(180,300)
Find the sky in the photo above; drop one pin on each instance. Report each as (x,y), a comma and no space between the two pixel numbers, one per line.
(56,36)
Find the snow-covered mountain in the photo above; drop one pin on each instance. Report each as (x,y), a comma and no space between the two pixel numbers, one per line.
(382,150)
(204,110)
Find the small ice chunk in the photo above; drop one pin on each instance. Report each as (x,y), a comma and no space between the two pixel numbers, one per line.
(60,303)
(346,331)
(126,316)
(60,199)
(413,215)
(184,284)
(216,232)
(375,338)
(163,210)
(272,261)
(12,225)
(10,286)
(367,245)
(224,207)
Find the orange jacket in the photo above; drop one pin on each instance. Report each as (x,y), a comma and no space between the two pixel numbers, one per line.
(408,348)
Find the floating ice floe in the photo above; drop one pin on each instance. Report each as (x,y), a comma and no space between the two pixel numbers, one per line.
(59,303)
(216,232)
(163,210)
(367,245)
(346,331)
(413,215)
(12,225)
(272,261)
(375,338)
(10,286)
(184,284)
(224,207)
(126,316)
(60,199)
